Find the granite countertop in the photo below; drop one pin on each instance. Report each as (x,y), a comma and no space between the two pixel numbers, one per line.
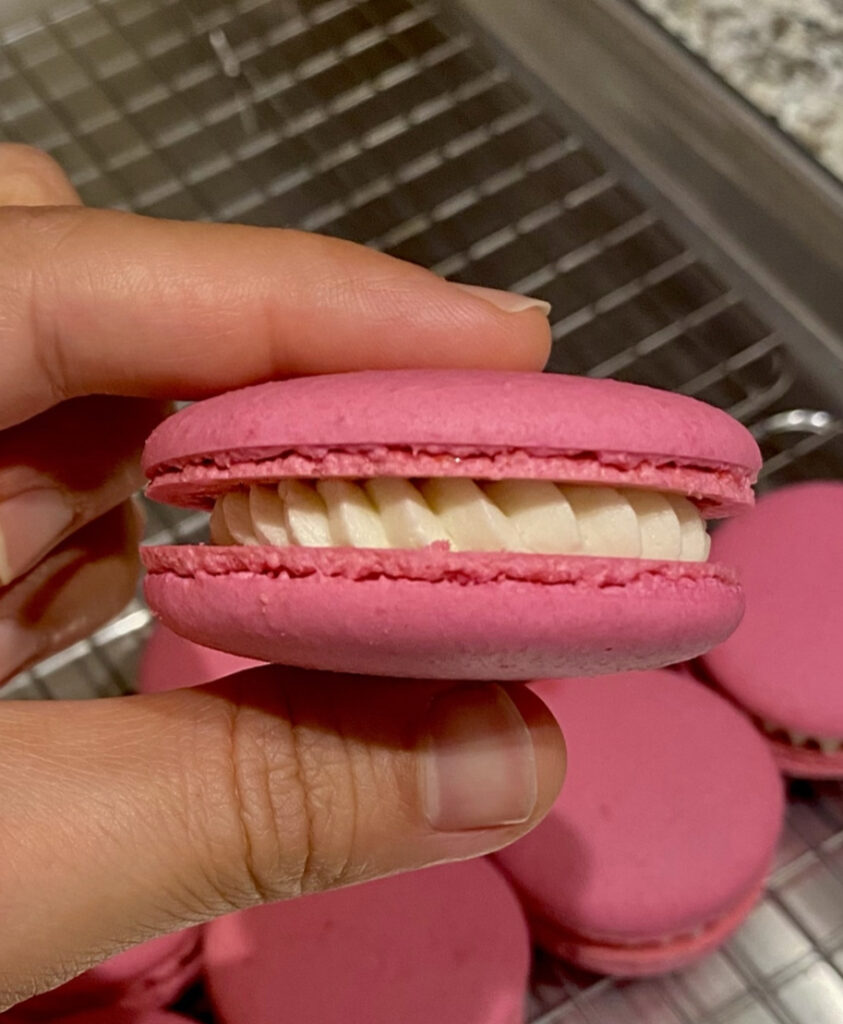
(784,56)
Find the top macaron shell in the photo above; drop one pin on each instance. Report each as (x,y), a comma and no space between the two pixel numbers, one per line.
(668,817)
(621,426)
(447,944)
(785,661)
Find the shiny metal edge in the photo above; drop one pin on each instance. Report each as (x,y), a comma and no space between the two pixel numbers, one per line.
(721,173)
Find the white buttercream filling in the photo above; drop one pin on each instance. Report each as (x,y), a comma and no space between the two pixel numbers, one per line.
(823,744)
(507,515)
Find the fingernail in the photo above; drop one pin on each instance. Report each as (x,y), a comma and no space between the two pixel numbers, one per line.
(17,647)
(509,302)
(30,525)
(478,764)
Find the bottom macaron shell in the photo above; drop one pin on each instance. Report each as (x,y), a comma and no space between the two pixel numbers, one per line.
(439,614)
(629,961)
(804,763)
(169,662)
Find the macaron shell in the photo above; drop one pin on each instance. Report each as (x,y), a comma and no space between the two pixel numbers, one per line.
(668,818)
(146,977)
(117,1016)
(428,409)
(643,961)
(717,492)
(170,662)
(487,616)
(447,944)
(785,661)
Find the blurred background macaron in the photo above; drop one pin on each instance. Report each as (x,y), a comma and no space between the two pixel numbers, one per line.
(660,841)
(169,662)
(448,945)
(784,663)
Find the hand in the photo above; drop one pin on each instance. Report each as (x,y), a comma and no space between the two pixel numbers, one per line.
(122,819)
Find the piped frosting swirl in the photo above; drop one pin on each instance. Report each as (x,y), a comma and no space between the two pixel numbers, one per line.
(508,515)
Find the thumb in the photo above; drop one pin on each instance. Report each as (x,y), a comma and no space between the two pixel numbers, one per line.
(127,818)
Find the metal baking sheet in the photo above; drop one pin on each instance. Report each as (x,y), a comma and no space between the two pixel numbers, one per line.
(392,122)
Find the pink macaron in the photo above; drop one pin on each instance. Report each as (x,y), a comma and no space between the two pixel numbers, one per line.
(659,843)
(784,664)
(169,662)
(459,524)
(447,944)
(117,1016)
(145,978)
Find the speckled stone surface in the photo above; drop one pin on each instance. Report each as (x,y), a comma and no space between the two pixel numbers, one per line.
(784,56)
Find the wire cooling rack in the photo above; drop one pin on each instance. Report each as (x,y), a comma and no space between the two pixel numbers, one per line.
(388,122)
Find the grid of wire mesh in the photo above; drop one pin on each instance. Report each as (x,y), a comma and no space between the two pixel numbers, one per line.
(386,122)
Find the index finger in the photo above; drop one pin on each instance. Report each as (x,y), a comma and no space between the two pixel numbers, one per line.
(98,301)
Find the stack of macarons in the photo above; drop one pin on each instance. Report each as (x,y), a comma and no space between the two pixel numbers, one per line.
(784,663)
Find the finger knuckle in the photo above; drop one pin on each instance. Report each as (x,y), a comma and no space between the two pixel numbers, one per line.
(21,156)
(292,806)
(30,173)
(32,239)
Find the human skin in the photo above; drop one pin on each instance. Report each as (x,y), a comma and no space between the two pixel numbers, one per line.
(124,819)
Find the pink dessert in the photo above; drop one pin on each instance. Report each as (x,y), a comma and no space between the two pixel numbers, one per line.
(785,662)
(459,524)
(142,979)
(126,1017)
(447,944)
(170,662)
(659,844)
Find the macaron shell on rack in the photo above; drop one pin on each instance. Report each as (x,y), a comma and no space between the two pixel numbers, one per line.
(432,610)
(648,959)
(447,944)
(659,843)
(784,663)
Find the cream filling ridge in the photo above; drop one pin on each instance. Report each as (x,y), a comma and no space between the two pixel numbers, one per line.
(508,515)
(823,744)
